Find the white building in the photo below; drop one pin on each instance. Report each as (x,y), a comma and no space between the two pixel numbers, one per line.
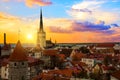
(89,61)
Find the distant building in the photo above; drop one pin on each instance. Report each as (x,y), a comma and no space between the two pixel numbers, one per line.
(6,48)
(105,48)
(36,52)
(88,61)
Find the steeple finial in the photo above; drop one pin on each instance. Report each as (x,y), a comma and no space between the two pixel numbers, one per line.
(41,21)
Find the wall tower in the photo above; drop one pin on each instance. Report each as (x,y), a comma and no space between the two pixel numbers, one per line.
(18,64)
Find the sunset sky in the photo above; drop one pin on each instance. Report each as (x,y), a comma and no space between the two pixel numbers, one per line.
(66,21)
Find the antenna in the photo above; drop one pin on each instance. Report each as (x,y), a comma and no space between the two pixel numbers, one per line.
(19,34)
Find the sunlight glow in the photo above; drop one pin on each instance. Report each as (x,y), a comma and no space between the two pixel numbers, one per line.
(29,36)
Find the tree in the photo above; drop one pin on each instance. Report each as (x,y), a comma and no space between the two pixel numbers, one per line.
(84,50)
(107,60)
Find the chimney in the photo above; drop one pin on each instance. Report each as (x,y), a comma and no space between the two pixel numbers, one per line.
(0,50)
(4,38)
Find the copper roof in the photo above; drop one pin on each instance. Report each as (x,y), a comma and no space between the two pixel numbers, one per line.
(19,53)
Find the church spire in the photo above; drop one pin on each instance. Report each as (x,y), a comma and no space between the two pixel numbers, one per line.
(41,22)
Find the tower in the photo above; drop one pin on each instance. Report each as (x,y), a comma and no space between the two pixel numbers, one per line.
(18,64)
(41,35)
(4,38)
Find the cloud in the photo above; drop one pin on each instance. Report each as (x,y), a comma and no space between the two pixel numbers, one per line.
(58,25)
(93,11)
(71,26)
(10,25)
(4,16)
(83,10)
(31,3)
(57,29)
(67,30)
(115,25)
(88,26)
(92,5)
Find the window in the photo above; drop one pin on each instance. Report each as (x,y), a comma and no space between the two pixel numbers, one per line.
(90,60)
(22,63)
(5,74)
(14,64)
(23,78)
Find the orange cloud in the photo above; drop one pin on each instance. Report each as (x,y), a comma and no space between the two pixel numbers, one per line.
(64,31)
(11,25)
(30,3)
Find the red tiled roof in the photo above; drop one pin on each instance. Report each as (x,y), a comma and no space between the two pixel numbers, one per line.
(19,53)
(116,74)
(50,52)
(67,52)
(78,56)
(66,74)
(105,45)
(33,61)
(61,56)
(79,63)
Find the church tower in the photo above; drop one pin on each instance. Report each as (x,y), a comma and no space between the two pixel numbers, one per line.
(41,35)
(18,64)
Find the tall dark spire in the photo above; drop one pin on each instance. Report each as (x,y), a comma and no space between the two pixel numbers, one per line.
(41,22)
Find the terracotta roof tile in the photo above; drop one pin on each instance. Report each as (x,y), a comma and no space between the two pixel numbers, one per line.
(19,53)
(33,61)
(116,74)
(78,56)
(50,52)
(105,45)
(64,74)
(67,52)
(61,56)
(79,63)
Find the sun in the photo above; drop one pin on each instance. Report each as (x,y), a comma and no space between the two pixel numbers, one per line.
(29,36)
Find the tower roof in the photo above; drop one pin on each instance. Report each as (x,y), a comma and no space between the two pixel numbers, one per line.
(41,22)
(19,53)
